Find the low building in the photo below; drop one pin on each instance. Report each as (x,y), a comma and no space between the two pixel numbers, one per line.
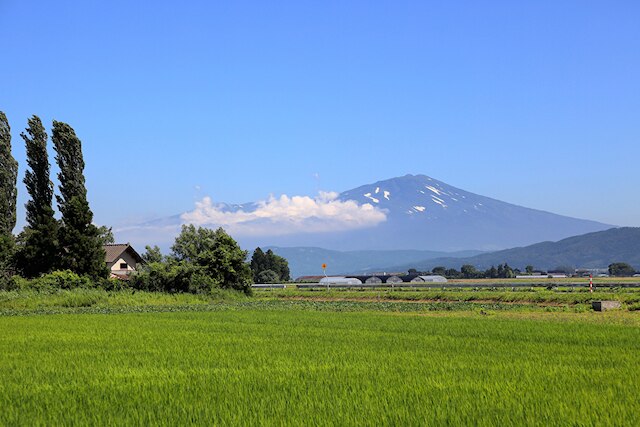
(340,280)
(121,260)
(434,279)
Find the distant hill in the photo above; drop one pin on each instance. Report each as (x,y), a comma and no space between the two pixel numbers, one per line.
(590,250)
(307,261)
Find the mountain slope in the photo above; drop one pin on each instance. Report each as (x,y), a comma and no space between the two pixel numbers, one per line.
(590,250)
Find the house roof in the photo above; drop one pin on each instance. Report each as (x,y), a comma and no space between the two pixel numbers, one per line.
(113,251)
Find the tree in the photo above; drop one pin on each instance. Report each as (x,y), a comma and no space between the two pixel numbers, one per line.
(216,254)
(269,261)
(507,272)
(491,273)
(105,234)
(267,276)
(469,271)
(81,247)
(279,265)
(38,249)
(441,271)
(529,269)
(621,269)
(452,273)
(258,264)
(152,254)
(8,192)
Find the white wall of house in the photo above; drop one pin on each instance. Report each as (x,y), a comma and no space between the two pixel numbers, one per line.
(125,258)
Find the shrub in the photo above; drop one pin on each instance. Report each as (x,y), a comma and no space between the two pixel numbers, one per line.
(9,283)
(63,279)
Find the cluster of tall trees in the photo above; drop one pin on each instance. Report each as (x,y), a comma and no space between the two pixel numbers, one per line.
(46,244)
(268,267)
(201,260)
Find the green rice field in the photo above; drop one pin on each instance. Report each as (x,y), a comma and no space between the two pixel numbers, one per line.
(275,363)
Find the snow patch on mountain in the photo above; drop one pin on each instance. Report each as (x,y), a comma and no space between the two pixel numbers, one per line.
(439,201)
(435,190)
(370,197)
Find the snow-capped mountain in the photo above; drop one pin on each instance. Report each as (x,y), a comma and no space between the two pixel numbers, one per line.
(408,212)
(423,212)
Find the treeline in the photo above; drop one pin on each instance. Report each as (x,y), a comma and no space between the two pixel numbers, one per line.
(202,259)
(468,271)
(47,244)
(504,271)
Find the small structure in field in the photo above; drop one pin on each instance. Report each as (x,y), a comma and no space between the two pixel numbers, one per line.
(434,279)
(605,305)
(340,280)
(121,260)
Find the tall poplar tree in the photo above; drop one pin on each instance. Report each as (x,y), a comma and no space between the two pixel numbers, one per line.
(8,192)
(38,251)
(81,248)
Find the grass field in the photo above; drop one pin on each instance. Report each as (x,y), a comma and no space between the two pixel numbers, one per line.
(309,363)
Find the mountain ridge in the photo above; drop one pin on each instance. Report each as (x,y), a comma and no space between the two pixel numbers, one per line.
(590,250)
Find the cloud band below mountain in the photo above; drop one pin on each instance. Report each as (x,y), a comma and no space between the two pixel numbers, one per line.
(287,215)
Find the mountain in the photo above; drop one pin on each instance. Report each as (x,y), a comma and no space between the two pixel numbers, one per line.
(423,212)
(590,250)
(410,212)
(307,261)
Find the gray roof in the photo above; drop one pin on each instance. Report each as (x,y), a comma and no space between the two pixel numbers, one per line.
(113,251)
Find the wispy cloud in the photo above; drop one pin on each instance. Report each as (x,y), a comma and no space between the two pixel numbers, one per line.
(287,215)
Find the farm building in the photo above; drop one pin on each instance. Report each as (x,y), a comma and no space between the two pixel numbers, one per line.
(121,260)
(340,280)
(434,279)
(369,280)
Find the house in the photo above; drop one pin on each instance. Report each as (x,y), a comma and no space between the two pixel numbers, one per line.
(121,260)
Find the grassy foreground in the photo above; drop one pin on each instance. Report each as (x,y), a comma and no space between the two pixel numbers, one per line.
(293,366)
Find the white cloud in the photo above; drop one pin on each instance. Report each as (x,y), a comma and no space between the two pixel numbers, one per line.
(287,215)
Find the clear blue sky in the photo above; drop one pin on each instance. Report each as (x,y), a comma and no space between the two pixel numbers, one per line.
(535,103)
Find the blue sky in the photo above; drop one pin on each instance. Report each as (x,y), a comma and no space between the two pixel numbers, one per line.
(534,103)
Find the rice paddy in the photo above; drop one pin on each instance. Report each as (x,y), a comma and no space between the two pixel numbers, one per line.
(320,363)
